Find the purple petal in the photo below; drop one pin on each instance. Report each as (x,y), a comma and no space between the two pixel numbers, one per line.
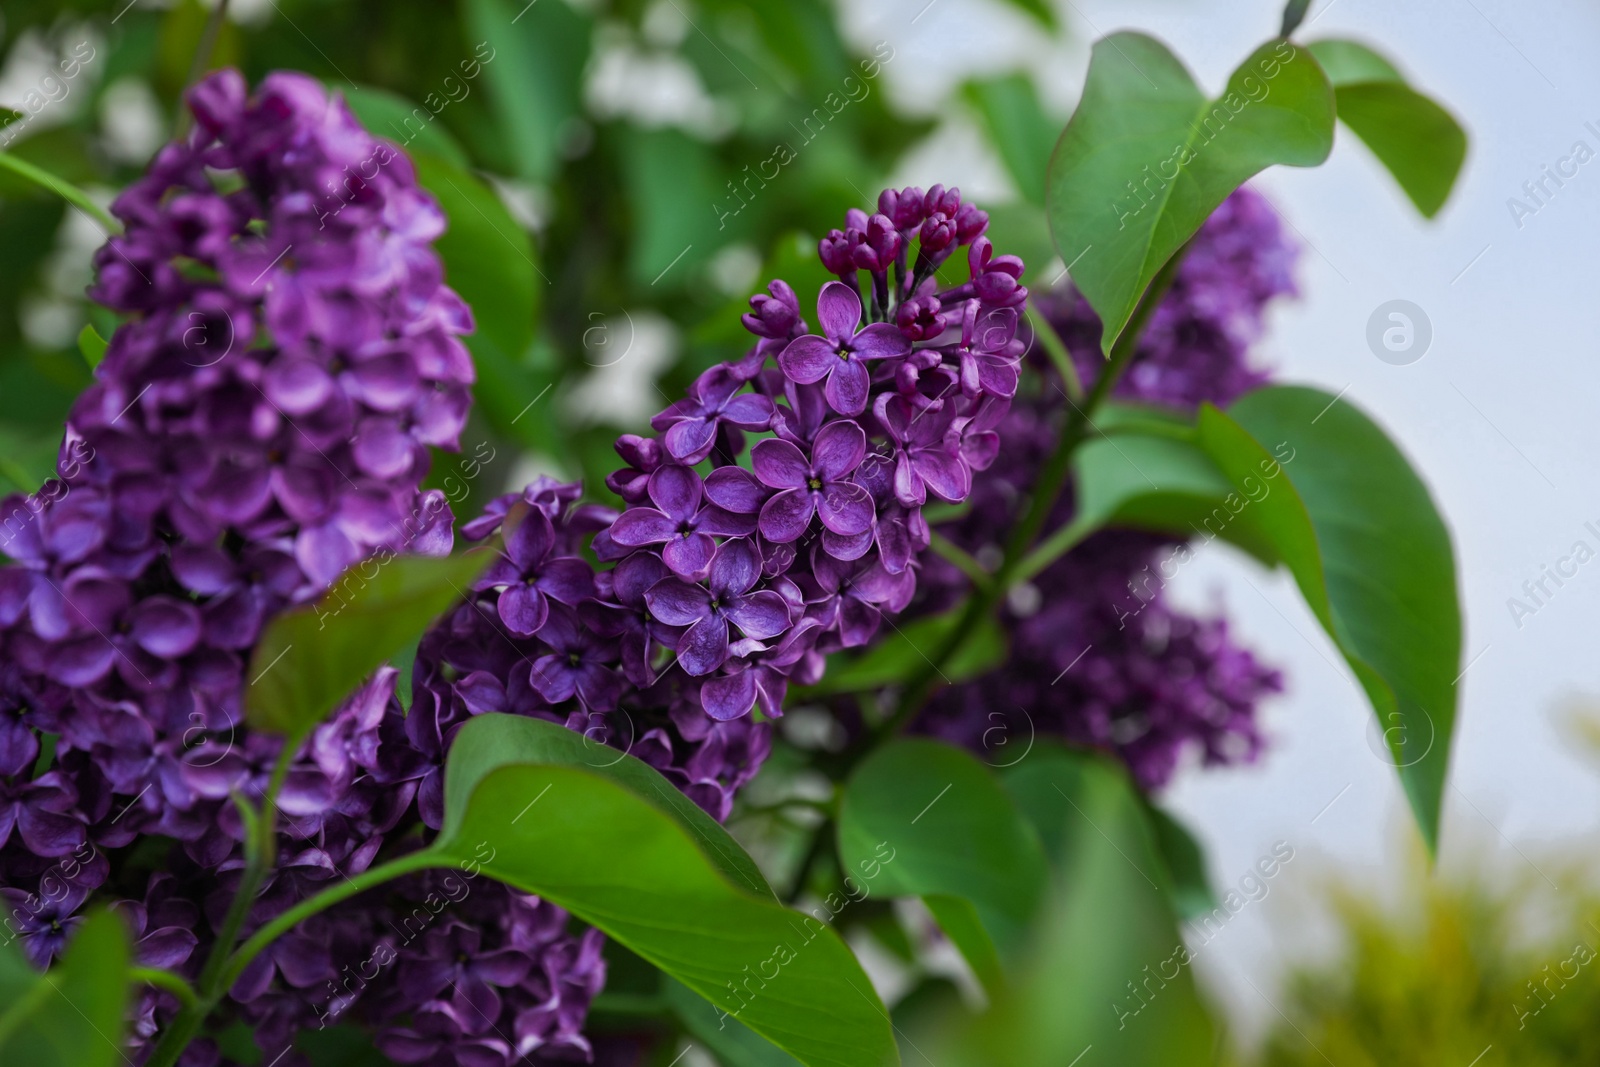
(522,608)
(852,546)
(716,521)
(735,489)
(839,312)
(567,579)
(945,474)
(786,516)
(808,359)
(760,615)
(676,491)
(846,508)
(643,526)
(730,696)
(552,676)
(838,449)
(847,387)
(677,603)
(779,464)
(530,541)
(166,627)
(382,449)
(704,646)
(735,568)
(880,341)
(690,440)
(749,411)
(690,557)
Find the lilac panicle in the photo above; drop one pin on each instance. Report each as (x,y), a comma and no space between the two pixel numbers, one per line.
(1097,655)
(262,419)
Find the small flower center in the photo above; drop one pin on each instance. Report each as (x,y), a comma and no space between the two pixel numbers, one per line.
(815,483)
(843,352)
(573,658)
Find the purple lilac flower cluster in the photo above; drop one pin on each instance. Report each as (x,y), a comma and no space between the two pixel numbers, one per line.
(1097,655)
(262,419)
(738,565)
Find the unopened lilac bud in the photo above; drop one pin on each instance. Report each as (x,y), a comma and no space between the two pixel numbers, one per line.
(919,318)
(776,316)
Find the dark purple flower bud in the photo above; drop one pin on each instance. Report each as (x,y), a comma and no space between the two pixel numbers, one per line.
(919,318)
(904,207)
(776,316)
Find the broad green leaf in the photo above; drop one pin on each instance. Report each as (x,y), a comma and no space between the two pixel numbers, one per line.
(951,832)
(1106,932)
(1019,128)
(490,261)
(1372,557)
(408,124)
(1039,9)
(617,861)
(309,659)
(71,1015)
(1419,142)
(92,345)
(533,56)
(734,1043)
(517,739)
(673,197)
(902,648)
(1146,158)
(1188,888)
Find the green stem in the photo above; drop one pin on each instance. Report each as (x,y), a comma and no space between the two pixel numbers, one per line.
(172,983)
(1060,358)
(360,883)
(198,65)
(261,849)
(962,559)
(1051,481)
(70,193)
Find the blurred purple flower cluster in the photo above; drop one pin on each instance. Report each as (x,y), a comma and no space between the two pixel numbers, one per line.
(1097,655)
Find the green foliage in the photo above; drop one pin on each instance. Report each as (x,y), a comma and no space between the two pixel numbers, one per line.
(1107,929)
(898,651)
(615,859)
(92,345)
(1185,862)
(1021,131)
(1448,975)
(954,833)
(1418,140)
(310,658)
(1146,157)
(70,1016)
(1371,555)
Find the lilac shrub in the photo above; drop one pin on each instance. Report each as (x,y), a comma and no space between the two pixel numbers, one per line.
(1097,656)
(263,419)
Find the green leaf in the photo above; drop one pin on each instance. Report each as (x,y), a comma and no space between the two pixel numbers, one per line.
(533,65)
(1189,888)
(92,345)
(1107,931)
(899,650)
(71,1015)
(1039,9)
(1372,557)
(1146,158)
(1419,142)
(617,861)
(952,833)
(673,202)
(1020,130)
(488,256)
(65,190)
(734,1043)
(490,261)
(516,739)
(408,124)
(1294,13)
(311,658)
